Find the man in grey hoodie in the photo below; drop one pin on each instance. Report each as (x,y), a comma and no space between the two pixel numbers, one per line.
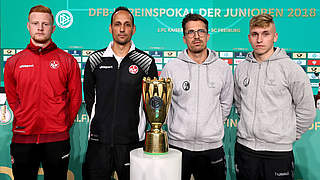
(275,102)
(201,102)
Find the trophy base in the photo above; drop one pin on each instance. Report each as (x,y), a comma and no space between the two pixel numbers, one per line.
(156,143)
(153,167)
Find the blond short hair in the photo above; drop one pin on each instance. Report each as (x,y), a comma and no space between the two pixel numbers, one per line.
(261,20)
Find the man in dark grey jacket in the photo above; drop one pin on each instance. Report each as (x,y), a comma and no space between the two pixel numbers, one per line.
(201,102)
(275,102)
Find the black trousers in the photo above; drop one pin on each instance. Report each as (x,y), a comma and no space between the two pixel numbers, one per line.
(102,159)
(262,165)
(53,156)
(204,165)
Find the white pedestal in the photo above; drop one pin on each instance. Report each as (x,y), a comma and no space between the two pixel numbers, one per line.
(155,167)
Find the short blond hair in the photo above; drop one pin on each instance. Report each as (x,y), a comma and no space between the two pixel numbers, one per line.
(261,20)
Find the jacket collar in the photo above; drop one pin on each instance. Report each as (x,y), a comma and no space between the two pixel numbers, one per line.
(109,52)
(43,50)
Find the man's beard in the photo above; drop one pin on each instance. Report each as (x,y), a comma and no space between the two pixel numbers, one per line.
(197,50)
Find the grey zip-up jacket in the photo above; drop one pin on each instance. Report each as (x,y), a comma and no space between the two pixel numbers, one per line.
(201,101)
(275,102)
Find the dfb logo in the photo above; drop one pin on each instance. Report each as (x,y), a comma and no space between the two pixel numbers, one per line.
(64,19)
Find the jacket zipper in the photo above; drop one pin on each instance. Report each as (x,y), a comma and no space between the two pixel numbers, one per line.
(115,104)
(198,89)
(40,95)
(255,107)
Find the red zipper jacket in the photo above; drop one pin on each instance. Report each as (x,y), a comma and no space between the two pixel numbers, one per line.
(43,88)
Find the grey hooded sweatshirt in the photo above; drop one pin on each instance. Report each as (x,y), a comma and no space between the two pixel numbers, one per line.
(275,102)
(201,101)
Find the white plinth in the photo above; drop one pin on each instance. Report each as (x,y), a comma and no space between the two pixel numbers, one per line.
(155,167)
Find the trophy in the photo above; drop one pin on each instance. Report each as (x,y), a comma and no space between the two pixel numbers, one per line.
(156,98)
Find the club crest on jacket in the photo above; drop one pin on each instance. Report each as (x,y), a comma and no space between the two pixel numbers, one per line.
(133,69)
(186,85)
(54,64)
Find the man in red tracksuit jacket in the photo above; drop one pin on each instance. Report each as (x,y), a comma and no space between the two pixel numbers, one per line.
(43,88)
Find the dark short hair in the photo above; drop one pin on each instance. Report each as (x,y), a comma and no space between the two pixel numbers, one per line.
(122,8)
(193,17)
(41,9)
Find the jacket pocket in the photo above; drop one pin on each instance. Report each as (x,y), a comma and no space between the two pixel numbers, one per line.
(57,110)
(273,89)
(210,130)
(276,126)
(178,128)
